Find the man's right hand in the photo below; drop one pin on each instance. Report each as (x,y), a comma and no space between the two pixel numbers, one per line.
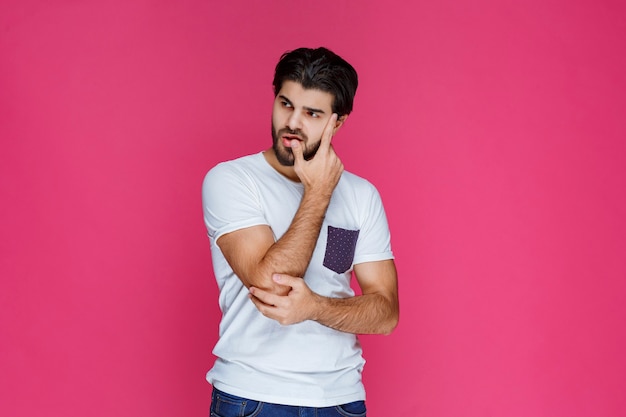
(322,172)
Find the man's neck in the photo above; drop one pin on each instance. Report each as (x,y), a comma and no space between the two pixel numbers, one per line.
(286,171)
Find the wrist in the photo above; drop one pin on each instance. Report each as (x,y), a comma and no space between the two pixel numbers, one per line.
(319,304)
(317,196)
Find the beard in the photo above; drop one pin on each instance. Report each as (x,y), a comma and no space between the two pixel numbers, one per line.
(285,155)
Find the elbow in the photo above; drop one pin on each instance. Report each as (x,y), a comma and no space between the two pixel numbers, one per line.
(259,276)
(390,325)
(392,319)
(386,319)
(264,281)
(263,278)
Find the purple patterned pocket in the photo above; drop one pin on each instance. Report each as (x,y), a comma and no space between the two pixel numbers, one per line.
(340,247)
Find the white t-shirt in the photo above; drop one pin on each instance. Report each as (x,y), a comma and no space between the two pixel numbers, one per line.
(305,364)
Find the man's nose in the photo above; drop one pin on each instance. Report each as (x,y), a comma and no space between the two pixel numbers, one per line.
(294,122)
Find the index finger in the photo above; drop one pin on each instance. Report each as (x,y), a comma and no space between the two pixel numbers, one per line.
(263,296)
(327,134)
(296,149)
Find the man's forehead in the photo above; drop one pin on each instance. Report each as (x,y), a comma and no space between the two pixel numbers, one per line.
(306,97)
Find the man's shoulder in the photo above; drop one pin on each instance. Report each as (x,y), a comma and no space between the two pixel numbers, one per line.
(236,166)
(240,162)
(357,182)
(229,175)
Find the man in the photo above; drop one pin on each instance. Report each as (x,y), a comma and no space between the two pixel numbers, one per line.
(287,228)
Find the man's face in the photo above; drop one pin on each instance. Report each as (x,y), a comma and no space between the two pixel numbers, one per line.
(299,114)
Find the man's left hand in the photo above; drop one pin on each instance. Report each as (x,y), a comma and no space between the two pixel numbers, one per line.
(298,305)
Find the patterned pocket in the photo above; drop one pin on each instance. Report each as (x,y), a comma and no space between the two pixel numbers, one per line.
(340,247)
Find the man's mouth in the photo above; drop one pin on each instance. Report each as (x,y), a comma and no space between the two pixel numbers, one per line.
(288,138)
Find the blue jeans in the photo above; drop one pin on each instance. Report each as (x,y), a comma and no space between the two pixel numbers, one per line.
(227,405)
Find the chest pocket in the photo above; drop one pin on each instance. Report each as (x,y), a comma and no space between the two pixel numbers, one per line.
(340,247)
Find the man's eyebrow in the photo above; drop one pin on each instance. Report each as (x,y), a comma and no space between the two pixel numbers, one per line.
(311,109)
(284,98)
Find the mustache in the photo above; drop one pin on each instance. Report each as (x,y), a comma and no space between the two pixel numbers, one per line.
(287,131)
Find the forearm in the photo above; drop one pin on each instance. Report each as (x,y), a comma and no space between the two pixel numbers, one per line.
(292,253)
(364,314)
(374,312)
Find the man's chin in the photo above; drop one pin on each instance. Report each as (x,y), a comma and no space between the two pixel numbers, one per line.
(284,157)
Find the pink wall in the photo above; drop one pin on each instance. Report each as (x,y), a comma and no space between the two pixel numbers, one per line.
(494,130)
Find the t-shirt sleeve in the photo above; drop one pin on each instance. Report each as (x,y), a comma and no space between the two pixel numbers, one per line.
(230,201)
(374,242)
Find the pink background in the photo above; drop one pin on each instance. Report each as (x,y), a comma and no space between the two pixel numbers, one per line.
(494,131)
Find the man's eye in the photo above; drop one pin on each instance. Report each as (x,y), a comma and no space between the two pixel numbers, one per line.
(286,104)
(314,115)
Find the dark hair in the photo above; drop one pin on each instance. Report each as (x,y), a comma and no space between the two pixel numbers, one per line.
(319,69)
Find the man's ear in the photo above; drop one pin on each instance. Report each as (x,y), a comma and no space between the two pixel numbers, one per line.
(340,121)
